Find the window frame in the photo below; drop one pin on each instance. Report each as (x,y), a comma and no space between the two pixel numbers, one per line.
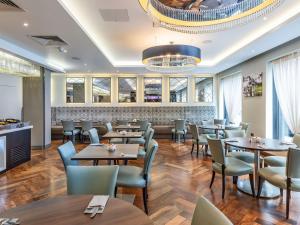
(187,90)
(136,89)
(84,86)
(110,90)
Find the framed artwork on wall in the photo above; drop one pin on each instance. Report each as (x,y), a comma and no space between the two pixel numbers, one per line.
(252,85)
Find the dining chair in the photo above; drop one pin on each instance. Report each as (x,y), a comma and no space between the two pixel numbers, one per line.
(140,140)
(86,125)
(148,137)
(179,129)
(227,166)
(280,161)
(240,154)
(219,122)
(209,132)
(69,130)
(122,122)
(137,177)
(66,152)
(94,137)
(287,178)
(109,128)
(207,214)
(143,125)
(244,126)
(92,180)
(198,139)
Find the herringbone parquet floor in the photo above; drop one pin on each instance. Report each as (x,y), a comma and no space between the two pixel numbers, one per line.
(177,180)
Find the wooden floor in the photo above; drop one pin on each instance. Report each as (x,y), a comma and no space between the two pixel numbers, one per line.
(178,178)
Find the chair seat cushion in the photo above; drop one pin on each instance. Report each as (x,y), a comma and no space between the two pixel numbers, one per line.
(277,177)
(179,131)
(85,133)
(247,157)
(202,140)
(74,132)
(234,167)
(139,141)
(116,141)
(275,161)
(141,153)
(131,176)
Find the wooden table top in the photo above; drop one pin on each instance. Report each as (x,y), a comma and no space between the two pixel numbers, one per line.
(127,127)
(118,135)
(68,210)
(101,153)
(216,127)
(265,145)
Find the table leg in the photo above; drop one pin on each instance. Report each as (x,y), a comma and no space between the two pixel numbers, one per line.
(217,134)
(95,162)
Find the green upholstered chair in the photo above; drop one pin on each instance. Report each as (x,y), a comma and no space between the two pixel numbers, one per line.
(92,180)
(207,214)
(280,161)
(137,177)
(109,128)
(141,140)
(86,125)
(227,166)
(197,139)
(209,132)
(94,137)
(148,137)
(69,130)
(143,125)
(179,129)
(66,152)
(287,178)
(247,157)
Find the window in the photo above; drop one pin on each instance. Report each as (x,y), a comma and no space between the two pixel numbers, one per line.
(152,90)
(75,90)
(203,89)
(127,89)
(101,89)
(178,89)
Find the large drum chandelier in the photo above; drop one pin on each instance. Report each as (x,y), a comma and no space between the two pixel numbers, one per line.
(201,20)
(171,58)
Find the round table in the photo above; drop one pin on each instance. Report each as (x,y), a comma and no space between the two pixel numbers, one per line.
(270,145)
(217,128)
(68,210)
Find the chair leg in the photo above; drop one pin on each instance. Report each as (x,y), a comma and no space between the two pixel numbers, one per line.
(145,199)
(235,180)
(206,149)
(192,148)
(212,179)
(116,191)
(281,192)
(184,137)
(223,184)
(197,149)
(288,197)
(63,139)
(251,179)
(260,185)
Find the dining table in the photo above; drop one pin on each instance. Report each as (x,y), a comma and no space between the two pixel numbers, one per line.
(99,152)
(123,135)
(258,146)
(66,210)
(218,128)
(127,127)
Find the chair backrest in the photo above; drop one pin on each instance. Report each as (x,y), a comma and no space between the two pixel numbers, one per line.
(122,122)
(206,213)
(94,137)
(109,127)
(296,140)
(66,152)
(180,125)
(194,131)
(86,125)
(148,138)
(219,121)
(68,125)
(92,180)
(235,133)
(150,154)
(293,166)
(217,150)
(143,124)
(244,126)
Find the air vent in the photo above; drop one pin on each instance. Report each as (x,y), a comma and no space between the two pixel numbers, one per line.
(114,15)
(49,41)
(8,6)
(75,58)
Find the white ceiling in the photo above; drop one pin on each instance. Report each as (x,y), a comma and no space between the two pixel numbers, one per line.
(107,47)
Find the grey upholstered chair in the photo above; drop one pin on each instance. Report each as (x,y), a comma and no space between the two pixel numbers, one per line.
(137,177)
(92,180)
(207,214)
(140,140)
(287,178)
(148,137)
(247,157)
(86,125)
(179,129)
(69,130)
(113,140)
(198,139)
(143,125)
(210,132)
(280,161)
(227,166)
(219,121)
(66,152)
(94,137)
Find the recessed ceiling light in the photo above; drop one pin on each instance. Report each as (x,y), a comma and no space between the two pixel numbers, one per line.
(85,64)
(25,24)
(265,18)
(61,49)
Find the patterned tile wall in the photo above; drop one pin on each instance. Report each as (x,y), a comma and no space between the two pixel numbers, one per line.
(156,115)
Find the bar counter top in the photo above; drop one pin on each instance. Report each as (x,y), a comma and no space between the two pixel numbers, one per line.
(6,131)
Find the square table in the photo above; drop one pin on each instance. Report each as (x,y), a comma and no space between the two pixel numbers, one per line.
(100,152)
(115,134)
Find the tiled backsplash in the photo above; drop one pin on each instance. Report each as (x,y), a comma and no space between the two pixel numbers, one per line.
(155,115)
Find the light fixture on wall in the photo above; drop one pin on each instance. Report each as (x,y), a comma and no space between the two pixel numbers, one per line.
(171,58)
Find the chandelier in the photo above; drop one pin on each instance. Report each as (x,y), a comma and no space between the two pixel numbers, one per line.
(207,20)
(171,58)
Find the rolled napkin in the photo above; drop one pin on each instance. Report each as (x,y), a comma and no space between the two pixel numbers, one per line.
(96,205)
(123,132)
(96,144)
(128,155)
(9,221)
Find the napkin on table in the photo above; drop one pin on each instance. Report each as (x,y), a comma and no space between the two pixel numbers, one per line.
(97,200)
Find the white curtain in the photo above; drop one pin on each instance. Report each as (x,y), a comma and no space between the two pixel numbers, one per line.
(286,72)
(232,92)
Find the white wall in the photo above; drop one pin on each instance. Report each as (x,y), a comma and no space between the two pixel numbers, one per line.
(58,91)
(11,96)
